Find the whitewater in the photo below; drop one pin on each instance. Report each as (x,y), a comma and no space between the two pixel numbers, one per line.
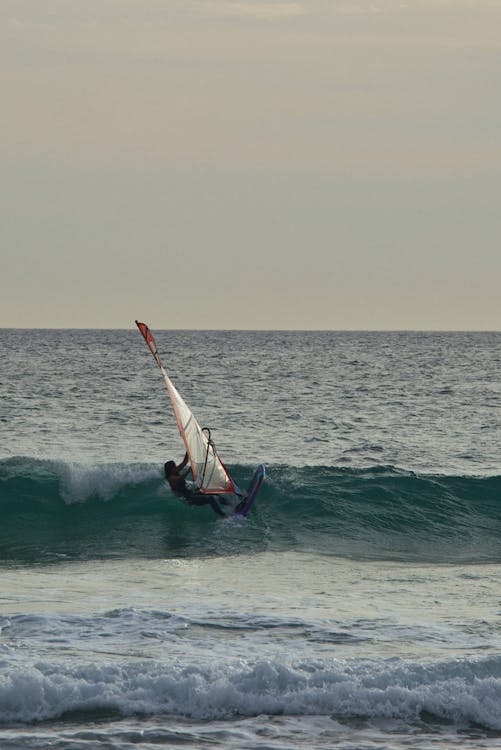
(358,605)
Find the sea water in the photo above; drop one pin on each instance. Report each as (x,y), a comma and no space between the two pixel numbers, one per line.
(359,604)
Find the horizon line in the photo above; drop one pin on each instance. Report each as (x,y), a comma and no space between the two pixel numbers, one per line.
(259,330)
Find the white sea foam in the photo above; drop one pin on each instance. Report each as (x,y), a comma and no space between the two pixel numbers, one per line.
(81,481)
(461,692)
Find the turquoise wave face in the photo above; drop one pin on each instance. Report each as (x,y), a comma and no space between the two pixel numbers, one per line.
(54,511)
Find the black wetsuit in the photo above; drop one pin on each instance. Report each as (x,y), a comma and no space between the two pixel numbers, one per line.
(190,497)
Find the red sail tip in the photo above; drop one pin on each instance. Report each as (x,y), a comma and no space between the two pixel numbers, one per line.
(148,337)
(143,328)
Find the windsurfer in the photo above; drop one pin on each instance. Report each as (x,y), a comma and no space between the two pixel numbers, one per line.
(175,476)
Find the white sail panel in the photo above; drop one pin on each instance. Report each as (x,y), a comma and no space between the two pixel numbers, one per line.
(209,473)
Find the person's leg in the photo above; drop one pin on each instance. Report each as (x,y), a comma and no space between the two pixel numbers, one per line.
(215,506)
(197,498)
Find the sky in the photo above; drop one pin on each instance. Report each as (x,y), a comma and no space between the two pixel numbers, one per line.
(251,164)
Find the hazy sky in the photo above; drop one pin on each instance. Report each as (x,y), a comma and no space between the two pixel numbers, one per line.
(251,163)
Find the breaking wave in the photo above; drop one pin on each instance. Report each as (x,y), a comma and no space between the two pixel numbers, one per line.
(54,510)
(462,692)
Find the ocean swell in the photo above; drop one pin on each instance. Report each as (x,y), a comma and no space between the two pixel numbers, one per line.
(54,509)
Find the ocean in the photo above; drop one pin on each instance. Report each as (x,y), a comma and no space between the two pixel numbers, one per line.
(358,607)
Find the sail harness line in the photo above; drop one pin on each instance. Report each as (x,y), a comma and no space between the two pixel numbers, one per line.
(209,473)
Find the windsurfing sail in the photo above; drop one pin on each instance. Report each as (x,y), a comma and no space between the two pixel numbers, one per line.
(209,473)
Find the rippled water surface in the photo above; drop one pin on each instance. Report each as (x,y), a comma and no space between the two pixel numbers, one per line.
(358,605)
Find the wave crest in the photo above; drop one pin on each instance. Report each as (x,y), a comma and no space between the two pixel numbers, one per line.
(462,692)
(50,508)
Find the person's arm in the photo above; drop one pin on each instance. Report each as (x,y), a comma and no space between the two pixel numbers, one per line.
(183,462)
(181,470)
